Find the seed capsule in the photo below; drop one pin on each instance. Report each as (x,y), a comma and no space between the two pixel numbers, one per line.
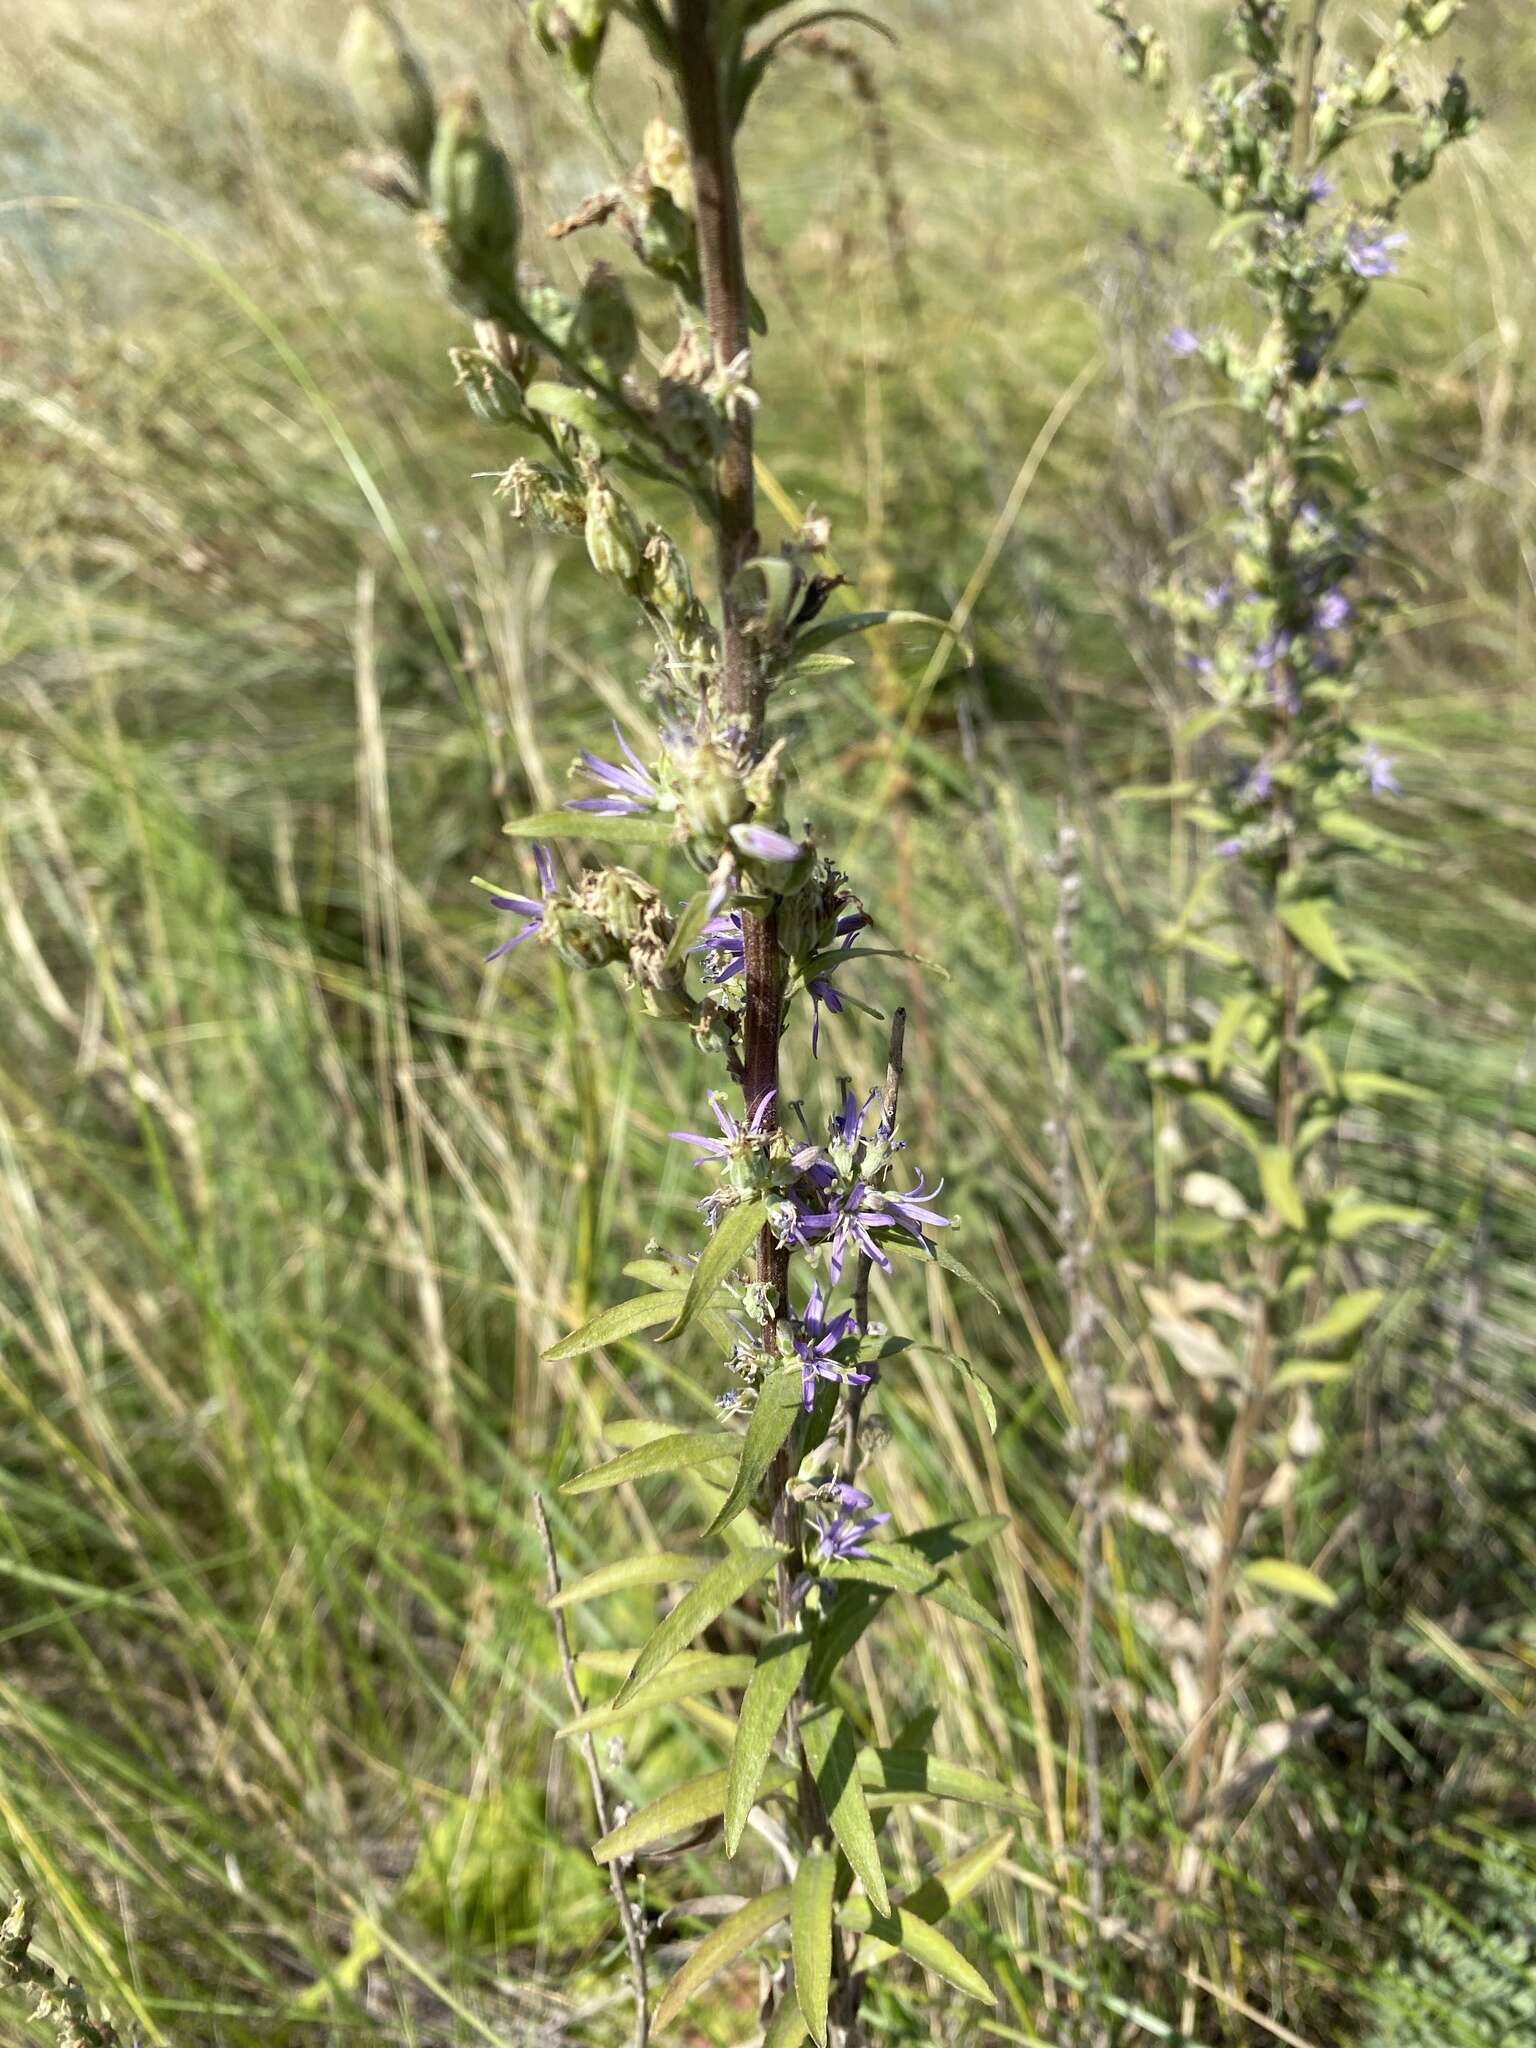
(388,82)
(603,333)
(474,201)
(613,538)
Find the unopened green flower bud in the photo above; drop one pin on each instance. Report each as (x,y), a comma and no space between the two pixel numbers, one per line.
(667,240)
(550,310)
(688,423)
(474,202)
(573,31)
(613,538)
(1381,81)
(388,82)
(493,394)
(603,334)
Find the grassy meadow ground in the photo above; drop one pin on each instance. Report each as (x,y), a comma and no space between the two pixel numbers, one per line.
(293,1194)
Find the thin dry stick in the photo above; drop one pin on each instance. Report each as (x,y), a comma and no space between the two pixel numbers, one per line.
(629,1921)
(1085,1376)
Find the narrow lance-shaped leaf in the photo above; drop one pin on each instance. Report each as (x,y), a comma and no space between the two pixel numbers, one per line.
(718,1950)
(778,1406)
(1309,925)
(1279,1575)
(913,1774)
(594,826)
(624,1319)
(737,1232)
(684,1678)
(1342,1321)
(810,1932)
(833,1754)
(686,1806)
(780,1667)
(940,1893)
(680,1453)
(1279,1184)
(719,1589)
(659,1568)
(902,1929)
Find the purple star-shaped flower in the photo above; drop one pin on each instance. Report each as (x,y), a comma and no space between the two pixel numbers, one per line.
(843,1538)
(855,1213)
(815,1336)
(1183,342)
(819,987)
(1334,611)
(1369,253)
(632,790)
(734,1133)
(723,940)
(525,906)
(1380,777)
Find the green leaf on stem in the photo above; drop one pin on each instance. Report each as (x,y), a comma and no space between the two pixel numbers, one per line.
(659,1568)
(719,1589)
(717,1951)
(902,1774)
(733,1238)
(1279,1575)
(678,1453)
(696,1672)
(902,1929)
(1350,1220)
(832,1751)
(940,1893)
(1348,1315)
(838,625)
(1309,925)
(579,409)
(624,1319)
(810,1934)
(684,1807)
(780,1667)
(602,831)
(1279,1184)
(885,1566)
(779,1405)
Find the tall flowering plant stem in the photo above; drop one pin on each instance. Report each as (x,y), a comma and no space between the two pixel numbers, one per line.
(1277,632)
(753,936)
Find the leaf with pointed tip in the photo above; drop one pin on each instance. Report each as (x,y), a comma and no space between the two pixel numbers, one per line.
(953,1539)
(905,1248)
(717,1951)
(1342,1321)
(1309,925)
(660,1568)
(779,1405)
(852,1612)
(780,1667)
(601,830)
(913,1774)
(624,1319)
(733,1238)
(685,1807)
(690,925)
(1226,1031)
(838,625)
(685,1678)
(1352,1219)
(918,1577)
(787,2028)
(902,1929)
(720,1588)
(810,1937)
(832,1752)
(1278,1181)
(1279,1575)
(678,1453)
(940,1893)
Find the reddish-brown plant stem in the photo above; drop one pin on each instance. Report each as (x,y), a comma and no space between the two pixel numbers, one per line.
(741,685)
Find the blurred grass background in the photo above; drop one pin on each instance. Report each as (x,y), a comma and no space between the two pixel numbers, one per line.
(293,1194)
